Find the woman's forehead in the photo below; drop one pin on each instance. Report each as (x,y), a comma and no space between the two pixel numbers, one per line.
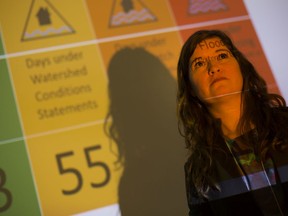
(210,43)
(208,47)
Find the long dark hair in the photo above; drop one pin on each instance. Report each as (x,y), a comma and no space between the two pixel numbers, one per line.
(203,132)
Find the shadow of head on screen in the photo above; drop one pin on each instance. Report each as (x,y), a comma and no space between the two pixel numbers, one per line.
(144,126)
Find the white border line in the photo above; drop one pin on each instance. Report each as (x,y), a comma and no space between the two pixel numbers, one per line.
(127,36)
(60,130)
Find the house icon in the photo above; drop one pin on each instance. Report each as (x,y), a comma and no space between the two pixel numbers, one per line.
(44,20)
(43,16)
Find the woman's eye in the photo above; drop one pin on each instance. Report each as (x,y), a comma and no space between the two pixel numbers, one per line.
(222,56)
(198,64)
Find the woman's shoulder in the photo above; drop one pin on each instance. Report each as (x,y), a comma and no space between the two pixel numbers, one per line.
(280,112)
(280,129)
(283,109)
(279,119)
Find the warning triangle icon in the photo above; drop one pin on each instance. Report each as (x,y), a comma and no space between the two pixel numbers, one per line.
(43,21)
(130,12)
(205,6)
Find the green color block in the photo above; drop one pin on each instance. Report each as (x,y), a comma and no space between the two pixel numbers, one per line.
(9,124)
(17,190)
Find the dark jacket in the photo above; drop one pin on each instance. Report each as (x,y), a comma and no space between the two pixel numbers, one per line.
(234,197)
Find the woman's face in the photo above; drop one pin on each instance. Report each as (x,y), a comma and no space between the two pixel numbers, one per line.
(214,72)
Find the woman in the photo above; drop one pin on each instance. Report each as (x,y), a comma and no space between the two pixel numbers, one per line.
(236,132)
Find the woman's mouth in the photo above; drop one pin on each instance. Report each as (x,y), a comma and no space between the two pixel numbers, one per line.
(217,80)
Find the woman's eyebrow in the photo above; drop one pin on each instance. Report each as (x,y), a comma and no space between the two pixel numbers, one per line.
(197,58)
(219,50)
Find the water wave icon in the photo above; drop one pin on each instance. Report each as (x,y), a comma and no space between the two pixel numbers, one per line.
(132,16)
(48,31)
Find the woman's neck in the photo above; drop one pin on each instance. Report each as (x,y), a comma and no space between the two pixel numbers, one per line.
(229,111)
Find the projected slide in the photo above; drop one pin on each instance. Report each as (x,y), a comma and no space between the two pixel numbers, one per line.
(88,93)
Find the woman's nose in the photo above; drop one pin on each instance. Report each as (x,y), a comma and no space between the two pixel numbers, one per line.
(212,67)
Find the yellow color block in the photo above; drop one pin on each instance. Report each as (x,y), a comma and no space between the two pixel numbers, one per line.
(33,24)
(60,89)
(74,170)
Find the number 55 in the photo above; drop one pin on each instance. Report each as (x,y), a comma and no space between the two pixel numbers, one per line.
(77,173)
